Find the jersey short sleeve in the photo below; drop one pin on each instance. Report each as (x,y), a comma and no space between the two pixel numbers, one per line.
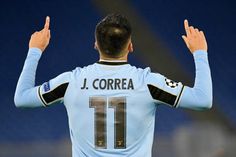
(54,90)
(164,90)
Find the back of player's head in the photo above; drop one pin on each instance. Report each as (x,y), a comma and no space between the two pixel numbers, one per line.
(113,34)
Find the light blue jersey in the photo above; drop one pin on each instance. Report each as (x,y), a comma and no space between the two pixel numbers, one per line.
(111,106)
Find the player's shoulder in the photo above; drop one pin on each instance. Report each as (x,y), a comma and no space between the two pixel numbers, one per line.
(140,71)
(147,72)
(78,70)
(150,77)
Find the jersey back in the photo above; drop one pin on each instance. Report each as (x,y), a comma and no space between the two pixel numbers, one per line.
(111,105)
(111,108)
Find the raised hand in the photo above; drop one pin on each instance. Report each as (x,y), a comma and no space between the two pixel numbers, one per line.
(40,39)
(194,39)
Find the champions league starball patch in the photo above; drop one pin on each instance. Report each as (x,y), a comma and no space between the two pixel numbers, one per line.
(171,83)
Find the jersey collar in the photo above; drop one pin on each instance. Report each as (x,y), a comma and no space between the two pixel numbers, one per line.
(112,62)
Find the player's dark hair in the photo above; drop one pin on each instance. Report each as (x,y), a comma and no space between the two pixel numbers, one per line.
(112,34)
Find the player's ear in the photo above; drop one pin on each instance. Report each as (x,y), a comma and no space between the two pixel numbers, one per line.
(95,45)
(130,47)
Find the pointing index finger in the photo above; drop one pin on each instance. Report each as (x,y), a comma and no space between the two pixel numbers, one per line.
(186,26)
(47,23)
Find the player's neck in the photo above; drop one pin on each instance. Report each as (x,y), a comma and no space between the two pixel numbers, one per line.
(120,59)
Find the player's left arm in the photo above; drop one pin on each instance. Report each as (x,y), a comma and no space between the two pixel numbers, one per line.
(29,95)
(50,92)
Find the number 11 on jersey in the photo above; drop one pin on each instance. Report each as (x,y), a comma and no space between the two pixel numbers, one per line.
(100,113)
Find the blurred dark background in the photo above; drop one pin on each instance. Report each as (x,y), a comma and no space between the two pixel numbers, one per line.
(157,30)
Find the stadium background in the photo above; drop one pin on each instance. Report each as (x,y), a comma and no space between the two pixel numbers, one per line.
(157,30)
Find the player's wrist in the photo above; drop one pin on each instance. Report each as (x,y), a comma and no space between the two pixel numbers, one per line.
(35,53)
(198,54)
(201,51)
(35,49)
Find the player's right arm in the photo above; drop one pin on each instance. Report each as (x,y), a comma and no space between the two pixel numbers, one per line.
(29,95)
(175,94)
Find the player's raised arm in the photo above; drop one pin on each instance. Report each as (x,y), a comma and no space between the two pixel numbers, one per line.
(200,96)
(26,94)
(175,94)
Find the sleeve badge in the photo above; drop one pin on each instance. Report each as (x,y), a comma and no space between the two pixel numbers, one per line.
(171,83)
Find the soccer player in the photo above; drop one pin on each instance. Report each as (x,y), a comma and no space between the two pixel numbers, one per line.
(111,105)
